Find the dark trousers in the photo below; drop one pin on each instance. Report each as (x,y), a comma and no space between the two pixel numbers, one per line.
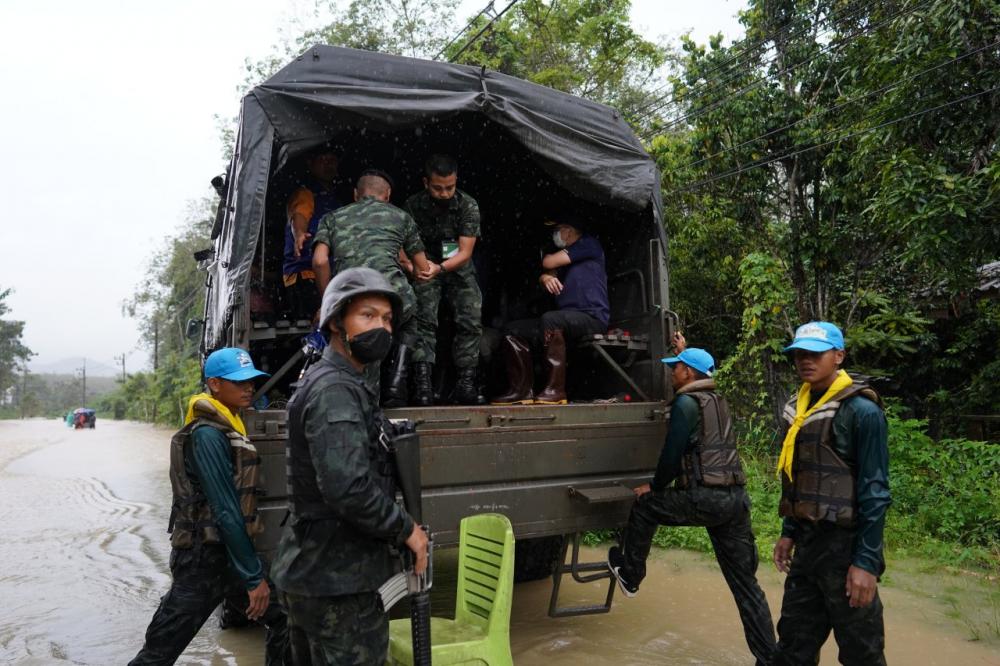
(815,603)
(202,578)
(346,630)
(573,323)
(725,512)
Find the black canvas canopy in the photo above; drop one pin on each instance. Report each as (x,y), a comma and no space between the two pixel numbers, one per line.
(584,147)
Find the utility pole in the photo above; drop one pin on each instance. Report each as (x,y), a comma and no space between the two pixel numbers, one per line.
(121,359)
(24,386)
(83,372)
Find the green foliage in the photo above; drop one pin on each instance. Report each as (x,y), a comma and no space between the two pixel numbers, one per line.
(584,47)
(13,353)
(947,489)
(799,164)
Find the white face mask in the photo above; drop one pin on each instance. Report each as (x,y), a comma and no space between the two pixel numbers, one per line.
(558,239)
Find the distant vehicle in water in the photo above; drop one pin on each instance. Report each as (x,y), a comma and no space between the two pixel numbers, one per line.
(84,417)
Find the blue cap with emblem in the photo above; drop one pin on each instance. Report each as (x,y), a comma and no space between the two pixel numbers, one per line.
(699,359)
(233,364)
(817,336)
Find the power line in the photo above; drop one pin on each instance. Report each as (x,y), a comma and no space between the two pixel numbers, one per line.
(840,105)
(482,31)
(487,8)
(773,37)
(833,46)
(794,153)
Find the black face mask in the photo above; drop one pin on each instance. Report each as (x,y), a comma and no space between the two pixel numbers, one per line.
(370,346)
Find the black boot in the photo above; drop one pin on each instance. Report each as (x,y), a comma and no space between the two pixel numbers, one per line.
(394,387)
(423,390)
(466,387)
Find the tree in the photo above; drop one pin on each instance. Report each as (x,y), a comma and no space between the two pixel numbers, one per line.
(834,163)
(13,352)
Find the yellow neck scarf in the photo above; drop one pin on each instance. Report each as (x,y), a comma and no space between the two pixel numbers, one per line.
(209,407)
(802,412)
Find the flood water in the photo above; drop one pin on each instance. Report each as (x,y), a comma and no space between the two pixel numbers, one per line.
(83,562)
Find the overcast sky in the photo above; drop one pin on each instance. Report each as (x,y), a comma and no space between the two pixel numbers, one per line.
(107,132)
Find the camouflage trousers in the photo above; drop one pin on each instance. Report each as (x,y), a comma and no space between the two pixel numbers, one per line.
(725,512)
(350,629)
(461,290)
(202,579)
(815,603)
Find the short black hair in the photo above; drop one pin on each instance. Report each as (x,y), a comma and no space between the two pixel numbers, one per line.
(379,173)
(440,164)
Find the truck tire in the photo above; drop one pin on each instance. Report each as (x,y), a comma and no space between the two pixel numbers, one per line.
(535,559)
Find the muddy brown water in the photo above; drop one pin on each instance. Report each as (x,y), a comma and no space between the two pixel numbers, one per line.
(83,562)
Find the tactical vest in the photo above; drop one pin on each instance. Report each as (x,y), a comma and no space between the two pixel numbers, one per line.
(824,485)
(714,462)
(305,502)
(191,520)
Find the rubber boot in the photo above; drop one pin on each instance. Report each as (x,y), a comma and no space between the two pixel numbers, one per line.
(554,392)
(394,387)
(517,355)
(467,388)
(423,388)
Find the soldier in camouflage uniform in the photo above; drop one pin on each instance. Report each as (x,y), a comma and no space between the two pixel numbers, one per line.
(372,232)
(700,459)
(449,226)
(834,469)
(343,516)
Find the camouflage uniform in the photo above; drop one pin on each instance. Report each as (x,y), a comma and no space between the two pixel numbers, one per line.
(440,224)
(371,233)
(344,519)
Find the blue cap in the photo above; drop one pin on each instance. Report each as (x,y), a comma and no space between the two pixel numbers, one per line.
(817,336)
(233,364)
(699,359)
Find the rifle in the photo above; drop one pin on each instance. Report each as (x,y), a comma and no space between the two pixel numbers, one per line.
(404,451)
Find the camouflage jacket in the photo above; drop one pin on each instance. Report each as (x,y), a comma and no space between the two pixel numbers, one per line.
(343,521)
(440,224)
(370,233)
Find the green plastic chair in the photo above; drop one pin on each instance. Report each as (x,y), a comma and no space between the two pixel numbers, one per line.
(480,632)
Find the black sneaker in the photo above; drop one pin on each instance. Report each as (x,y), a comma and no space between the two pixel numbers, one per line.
(616,564)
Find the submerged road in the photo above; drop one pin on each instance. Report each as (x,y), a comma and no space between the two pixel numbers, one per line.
(83,562)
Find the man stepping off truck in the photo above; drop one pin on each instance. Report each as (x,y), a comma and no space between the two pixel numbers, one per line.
(699,481)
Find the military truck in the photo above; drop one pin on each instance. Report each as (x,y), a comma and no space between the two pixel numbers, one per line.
(526,153)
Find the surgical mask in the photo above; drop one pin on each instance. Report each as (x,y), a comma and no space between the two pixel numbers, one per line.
(558,240)
(370,346)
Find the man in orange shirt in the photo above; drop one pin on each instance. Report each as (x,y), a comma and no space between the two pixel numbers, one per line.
(306,207)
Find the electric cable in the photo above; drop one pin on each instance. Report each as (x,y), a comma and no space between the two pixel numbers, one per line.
(794,153)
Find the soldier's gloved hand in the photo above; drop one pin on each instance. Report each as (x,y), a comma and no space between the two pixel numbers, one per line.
(861,586)
(783,554)
(260,596)
(417,542)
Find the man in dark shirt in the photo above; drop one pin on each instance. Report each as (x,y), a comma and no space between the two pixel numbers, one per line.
(575,275)
(699,481)
(343,515)
(834,467)
(213,472)
(306,207)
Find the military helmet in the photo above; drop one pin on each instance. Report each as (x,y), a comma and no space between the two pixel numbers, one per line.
(354,282)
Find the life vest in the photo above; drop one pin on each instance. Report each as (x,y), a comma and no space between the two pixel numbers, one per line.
(824,485)
(191,520)
(714,462)
(305,502)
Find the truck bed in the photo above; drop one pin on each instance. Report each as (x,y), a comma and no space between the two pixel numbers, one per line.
(550,469)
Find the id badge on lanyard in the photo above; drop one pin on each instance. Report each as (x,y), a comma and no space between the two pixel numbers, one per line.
(449,248)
